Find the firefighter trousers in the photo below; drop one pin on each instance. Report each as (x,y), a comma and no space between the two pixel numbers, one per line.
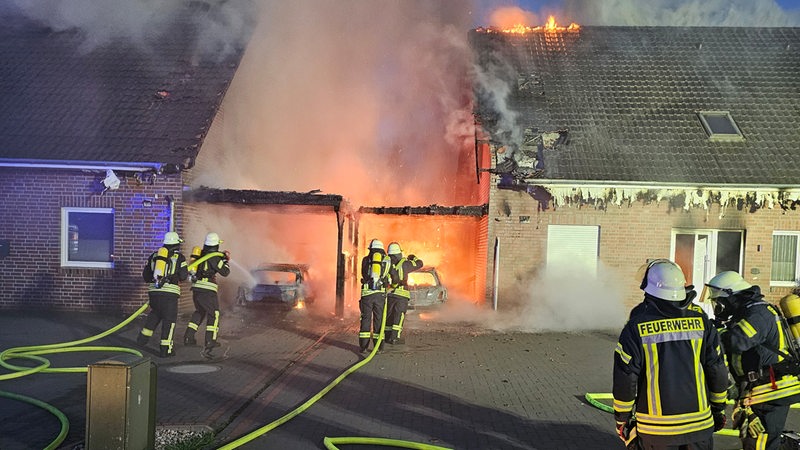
(371,307)
(397,307)
(163,310)
(206,306)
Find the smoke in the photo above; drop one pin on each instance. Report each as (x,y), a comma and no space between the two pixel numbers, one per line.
(369,100)
(555,300)
(224,24)
(734,13)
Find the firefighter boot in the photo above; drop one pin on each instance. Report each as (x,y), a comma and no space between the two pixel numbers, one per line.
(166,352)
(188,338)
(206,353)
(380,347)
(363,345)
(141,340)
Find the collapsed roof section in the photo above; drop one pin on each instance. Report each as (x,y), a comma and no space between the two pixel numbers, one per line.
(616,114)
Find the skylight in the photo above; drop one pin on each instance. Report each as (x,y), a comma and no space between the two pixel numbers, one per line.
(719,126)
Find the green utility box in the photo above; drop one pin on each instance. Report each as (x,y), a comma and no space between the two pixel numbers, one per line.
(121,404)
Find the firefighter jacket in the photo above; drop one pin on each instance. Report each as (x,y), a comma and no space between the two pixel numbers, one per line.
(398,274)
(751,339)
(669,366)
(176,271)
(206,271)
(375,273)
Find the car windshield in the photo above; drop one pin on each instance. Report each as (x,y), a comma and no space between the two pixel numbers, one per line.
(275,277)
(421,279)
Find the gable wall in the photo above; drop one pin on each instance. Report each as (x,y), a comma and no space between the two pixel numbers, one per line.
(30,204)
(629,236)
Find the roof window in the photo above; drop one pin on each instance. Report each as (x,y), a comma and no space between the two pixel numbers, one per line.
(719,126)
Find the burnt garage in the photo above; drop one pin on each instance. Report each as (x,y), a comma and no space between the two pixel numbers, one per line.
(325,233)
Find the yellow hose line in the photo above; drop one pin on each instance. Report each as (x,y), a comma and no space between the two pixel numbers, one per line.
(292,414)
(59,415)
(330,443)
(593,399)
(197,262)
(32,352)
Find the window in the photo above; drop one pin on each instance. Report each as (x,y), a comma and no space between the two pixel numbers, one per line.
(719,126)
(705,253)
(87,237)
(573,248)
(784,258)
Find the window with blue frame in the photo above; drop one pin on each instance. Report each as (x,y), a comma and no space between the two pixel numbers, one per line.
(87,237)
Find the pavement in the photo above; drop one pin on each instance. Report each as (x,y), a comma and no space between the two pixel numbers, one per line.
(452,385)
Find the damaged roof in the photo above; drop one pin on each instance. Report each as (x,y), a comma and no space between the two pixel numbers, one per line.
(622,104)
(150,102)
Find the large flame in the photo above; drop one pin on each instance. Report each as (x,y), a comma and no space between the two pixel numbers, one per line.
(550,27)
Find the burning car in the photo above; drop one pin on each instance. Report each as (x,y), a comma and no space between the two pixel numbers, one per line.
(277,283)
(426,289)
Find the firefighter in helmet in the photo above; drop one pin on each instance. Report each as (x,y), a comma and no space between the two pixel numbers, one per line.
(374,284)
(164,270)
(398,295)
(670,380)
(759,351)
(208,262)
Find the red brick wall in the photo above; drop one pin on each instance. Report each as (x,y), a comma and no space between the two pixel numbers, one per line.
(630,234)
(30,204)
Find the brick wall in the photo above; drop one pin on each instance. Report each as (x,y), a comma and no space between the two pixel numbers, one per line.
(30,204)
(630,234)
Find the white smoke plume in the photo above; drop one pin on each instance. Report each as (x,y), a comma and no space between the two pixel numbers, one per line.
(225,24)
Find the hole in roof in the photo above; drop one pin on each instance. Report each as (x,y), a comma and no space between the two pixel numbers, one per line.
(720,126)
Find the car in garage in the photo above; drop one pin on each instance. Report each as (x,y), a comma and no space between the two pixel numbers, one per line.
(426,288)
(283,284)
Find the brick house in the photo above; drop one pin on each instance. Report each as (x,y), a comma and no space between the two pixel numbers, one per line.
(612,146)
(94,148)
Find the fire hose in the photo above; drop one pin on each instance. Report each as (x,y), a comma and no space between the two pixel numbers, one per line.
(329,442)
(33,353)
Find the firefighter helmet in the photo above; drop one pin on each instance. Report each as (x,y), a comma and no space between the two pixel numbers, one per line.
(394,249)
(212,239)
(664,279)
(376,244)
(727,283)
(171,238)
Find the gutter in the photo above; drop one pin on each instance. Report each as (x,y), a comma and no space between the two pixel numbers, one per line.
(81,165)
(656,186)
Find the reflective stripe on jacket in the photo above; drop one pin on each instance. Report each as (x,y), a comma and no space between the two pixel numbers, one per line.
(668,364)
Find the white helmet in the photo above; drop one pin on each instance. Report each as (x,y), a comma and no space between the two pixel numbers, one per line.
(376,244)
(394,249)
(726,283)
(171,238)
(212,239)
(664,279)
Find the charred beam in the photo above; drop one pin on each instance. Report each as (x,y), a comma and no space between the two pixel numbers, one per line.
(253,197)
(432,210)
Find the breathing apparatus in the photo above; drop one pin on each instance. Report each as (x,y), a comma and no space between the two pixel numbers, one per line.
(160,269)
(790,306)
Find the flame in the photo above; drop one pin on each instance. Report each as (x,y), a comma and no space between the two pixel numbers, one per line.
(550,27)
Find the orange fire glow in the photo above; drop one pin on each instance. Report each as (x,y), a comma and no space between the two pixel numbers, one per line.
(550,27)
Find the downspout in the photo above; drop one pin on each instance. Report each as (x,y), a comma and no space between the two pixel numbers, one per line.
(171,206)
(496,275)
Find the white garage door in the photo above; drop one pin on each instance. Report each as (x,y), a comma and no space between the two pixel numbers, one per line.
(573,247)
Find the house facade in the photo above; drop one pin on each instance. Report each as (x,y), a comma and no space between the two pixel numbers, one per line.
(95,145)
(614,146)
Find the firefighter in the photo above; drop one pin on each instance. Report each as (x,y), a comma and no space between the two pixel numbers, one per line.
(398,295)
(670,380)
(164,270)
(204,292)
(374,284)
(757,346)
